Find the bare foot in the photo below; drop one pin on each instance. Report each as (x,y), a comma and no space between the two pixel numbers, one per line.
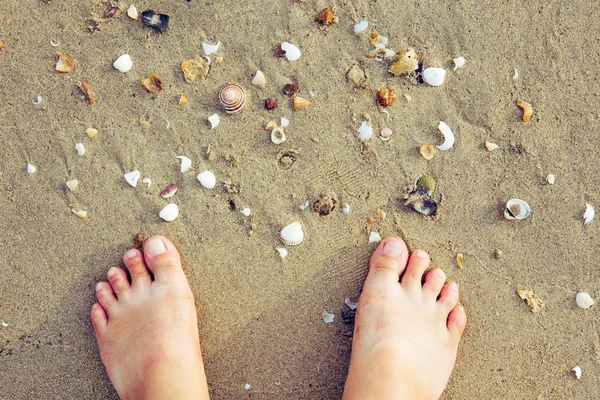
(147,330)
(406,334)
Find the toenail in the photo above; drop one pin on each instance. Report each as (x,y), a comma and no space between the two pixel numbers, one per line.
(155,247)
(130,253)
(111,272)
(392,248)
(95,306)
(98,286)
(420,254)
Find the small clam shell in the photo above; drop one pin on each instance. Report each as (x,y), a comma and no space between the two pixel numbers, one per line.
(386,97)
(291,52)
(169,191)
(282,252)
(246,212)
(232,98)
(259,79)
(152,83)
(292,234)
(491,146)
(80,149)
(459,62)
(517,209)
(186,163)
(83,214)
(284,122)
(132,177)
(516,75)
(584,300)
(406,63)
(169,213)
(425,206)
(346,209)
(88,92)
(385,134)
(589,214)
(353,305)
(448,136)
(132,12)
(427,151)
(365,131)
(278,136)
(91,132)
(72,184)
(551,178)
(207,179)
(434,76)
(123,63)
(327,317)
(64,63)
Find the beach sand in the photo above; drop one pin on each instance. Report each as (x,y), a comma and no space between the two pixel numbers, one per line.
(261,319)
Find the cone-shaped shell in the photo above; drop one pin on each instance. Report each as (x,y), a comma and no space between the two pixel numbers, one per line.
(292,235)
(232,98)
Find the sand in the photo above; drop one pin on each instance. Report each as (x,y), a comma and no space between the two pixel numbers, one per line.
(261,320)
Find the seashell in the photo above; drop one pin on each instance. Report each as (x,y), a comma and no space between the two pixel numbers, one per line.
(278,136)
(290,89)
(406,63)
(88,92)
(427,151)
(132,12)
(123,63)
(112,11)
(325,17)
(385,134)
(407,98)
(207,179)
(365,131)
(460,260)
(420,197)
(152,83)
(282,252)
(64,63)
(589,214)
(271,125)
(327,318)
(584,300)
(515,75)
(491,146)
(284,122)
(53,43)
(80,149)
(325,205)
(154,20)
(374,237)
(182,100)
(577,371)
(38,100)
(551,179)
(247,387)
(377,40)
(346,209)
(380,213)
(388,54)
(360,27)
(371,220)
(147,181)
(434,76)
(386,97)
(298,103)
(72,184)
(259,79)
(516,209)
(186,163)
(351,304)
(214,120)
(169,213)
(292,234)
(246,212)
(91,132)
(195,68)
(304,205)
(132,177)
(169,191)
(425,206)
(289,51)
(232,98)
(210,48)
(271,103)
(83,214)
(532,299)
(31,169)
(448,136)
(459,62)
(527,109)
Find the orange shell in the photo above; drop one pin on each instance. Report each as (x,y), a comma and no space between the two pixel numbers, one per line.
(182,100)
(88,92)
(298,103)
(153,83)
(427,151)
(325,17)
(527,109)
(386,97)
(64,63)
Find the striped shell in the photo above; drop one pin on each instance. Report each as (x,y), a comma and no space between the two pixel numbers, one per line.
(232,98)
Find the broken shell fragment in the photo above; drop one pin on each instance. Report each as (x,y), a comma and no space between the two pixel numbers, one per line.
(132,12)
(584,300)
(377,40)
(516,209)
(325,205)
(123,63)
(420,197)
(351,304)
(72,184)
(207,179)
(327,317)
(147,181)
(186,163)
(325,17)
(154,20)
(386,97)
(88,92)
(346,209)
(515,75)
(278,135)
(374,237)
(80,149)
(460,260)
(152,83)
(271,103)
(38,100)
(491,146)
(577,371)
(385,134)
(406,63)
(195,68)
(31,169)
(259,79)
(427,151)
(459,62)
(289,51)
(361,26)
(589,214)
(232,98)
(182,100)
(448,136)
(210,48)
(282,252)
(365,131)
(298,103)
(527,109)
(169,191)
(290,89)
(532,300)
(292,234)
(64,63)
(271,125)
(214,120)
(91,132)
(83,214)
(246,212)
(169,213)
(132,177)
(551,178)
(434,76)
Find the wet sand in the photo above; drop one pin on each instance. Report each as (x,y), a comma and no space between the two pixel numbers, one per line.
(261,320)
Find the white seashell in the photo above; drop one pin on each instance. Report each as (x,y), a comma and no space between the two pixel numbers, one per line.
(346,209)
(361,26)
(304,205)
(491,146)
(132,177)
(434,76)
(277,136)
(516,75)
(72,184)
(577,371)
(38,100)
(147,181)
(589,214)
(283,253)
(246,212)
(328,318)
(365,131)
(374,237)
(210,48)
(351,304)
(584,300)
(31,169)
(232,98)
(311,95)
(385,134)
(381,42)
(132,12)
(186,163)
(4,324)
(247,386)
(170,212)
(54,43)
(459,62)
(259,79)
(80,149)
(292,235)
(551,179)
(292,53)
(284,122)
(214,120)
(123,63)
(83,214)
(516,209)
(207,179)
(448,136)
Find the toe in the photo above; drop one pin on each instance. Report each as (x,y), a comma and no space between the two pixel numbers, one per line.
(434,281)
(457,320)
(417,264)
(99,319)
(387,262)
(106,296)
(117,277)
(162,259)
(134,261)
(448,297)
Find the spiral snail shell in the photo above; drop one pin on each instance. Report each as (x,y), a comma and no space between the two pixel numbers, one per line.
(232,98)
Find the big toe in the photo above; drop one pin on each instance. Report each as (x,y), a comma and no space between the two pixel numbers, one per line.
(387,263)
(162,258)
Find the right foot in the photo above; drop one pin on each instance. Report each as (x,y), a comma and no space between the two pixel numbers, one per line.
(147,330)
(406,333)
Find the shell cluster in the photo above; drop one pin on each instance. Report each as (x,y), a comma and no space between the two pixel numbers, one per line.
(232,98)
